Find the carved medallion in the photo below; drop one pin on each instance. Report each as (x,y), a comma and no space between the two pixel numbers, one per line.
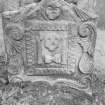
(52,12)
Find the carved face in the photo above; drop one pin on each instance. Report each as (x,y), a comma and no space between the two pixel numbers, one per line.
(16,34)
(52,41)
(53,12)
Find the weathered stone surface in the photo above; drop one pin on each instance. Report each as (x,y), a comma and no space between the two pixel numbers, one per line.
(100,51)
(50,55)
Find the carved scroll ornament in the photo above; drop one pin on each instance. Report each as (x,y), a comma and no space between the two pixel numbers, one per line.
(87,30)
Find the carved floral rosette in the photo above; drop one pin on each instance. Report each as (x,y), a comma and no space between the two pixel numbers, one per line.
(52,45)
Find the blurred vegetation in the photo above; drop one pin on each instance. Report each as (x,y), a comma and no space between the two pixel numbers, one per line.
(100,9)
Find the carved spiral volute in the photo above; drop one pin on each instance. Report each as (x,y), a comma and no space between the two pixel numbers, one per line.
(86,29)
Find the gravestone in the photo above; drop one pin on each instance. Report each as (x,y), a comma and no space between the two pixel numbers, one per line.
(50,48)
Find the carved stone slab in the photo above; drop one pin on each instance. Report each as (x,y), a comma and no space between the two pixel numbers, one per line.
(51,44)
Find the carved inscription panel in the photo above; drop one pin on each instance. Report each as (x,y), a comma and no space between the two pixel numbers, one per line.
(47,46)
(50,44)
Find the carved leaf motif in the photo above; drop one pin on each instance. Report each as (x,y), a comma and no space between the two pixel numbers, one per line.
(84,16)
(88,30)
(86,63)
(13,48)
